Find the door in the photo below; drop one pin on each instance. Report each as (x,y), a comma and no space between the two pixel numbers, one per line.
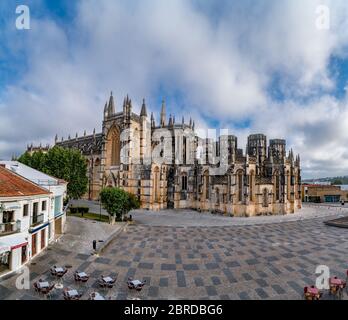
(43,235)
(58,226)
(33,245)
(24,254)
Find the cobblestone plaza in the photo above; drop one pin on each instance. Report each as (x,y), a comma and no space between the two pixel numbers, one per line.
(257,261)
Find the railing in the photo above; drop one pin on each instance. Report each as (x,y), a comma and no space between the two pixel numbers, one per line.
(37,219)
(9,227)
(47,182)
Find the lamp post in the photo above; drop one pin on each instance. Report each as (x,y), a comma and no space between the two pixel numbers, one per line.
(100,208)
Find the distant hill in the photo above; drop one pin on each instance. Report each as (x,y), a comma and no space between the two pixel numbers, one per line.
(328,180)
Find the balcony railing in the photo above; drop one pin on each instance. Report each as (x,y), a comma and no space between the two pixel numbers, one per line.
(9,228)
(37,219)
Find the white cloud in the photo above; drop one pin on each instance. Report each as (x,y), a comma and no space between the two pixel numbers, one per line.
(221,67)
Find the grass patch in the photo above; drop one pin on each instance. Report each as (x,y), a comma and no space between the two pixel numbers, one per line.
(91,216)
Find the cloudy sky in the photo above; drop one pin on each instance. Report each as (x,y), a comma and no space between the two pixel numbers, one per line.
(249,66)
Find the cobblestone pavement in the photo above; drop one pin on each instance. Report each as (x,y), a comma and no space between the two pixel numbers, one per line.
(260,261)
(193,218)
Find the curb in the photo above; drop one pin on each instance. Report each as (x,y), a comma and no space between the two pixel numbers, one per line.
(109,240)
(336,223)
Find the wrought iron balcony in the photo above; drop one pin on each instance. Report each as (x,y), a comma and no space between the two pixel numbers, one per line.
(37,219)
(9,228)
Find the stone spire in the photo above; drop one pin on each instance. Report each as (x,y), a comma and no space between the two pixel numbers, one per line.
(170,122)
(152,121)
(76,136)
(111,107)
(190,122)
(56,138)
(143,112)
(84,133)
(193,125)
(129,107)
(125,104)
(163,114)
(106,110)
(183,121)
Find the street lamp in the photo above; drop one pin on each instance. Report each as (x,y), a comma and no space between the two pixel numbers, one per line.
(100,208)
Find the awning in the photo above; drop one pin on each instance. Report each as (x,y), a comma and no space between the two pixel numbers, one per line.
(11,243)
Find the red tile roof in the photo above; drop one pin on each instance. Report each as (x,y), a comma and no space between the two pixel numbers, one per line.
(13,185)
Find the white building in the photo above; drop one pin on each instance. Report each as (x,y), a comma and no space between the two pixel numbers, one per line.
(31,213)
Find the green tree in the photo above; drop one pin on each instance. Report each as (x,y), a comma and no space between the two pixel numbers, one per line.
(67,164)
(132,203)
(336,182)
(115,201)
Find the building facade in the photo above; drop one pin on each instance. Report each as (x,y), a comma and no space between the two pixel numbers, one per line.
(320,193)
(31,214)
(167,165)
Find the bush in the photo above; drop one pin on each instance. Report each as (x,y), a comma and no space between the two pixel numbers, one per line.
(83,210)
(73,210)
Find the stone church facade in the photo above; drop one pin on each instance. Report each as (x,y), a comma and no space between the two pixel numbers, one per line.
(166,165)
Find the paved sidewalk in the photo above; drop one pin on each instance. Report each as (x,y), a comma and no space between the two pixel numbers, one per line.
(81,232)
(185,218)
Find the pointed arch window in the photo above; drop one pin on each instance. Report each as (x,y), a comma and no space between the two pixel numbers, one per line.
(240,185)
(113,147)
(277,186)
(265,198)
(206,184)
(251,185)
(156,184)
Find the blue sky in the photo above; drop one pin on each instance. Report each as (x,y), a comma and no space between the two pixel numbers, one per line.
(243,65)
